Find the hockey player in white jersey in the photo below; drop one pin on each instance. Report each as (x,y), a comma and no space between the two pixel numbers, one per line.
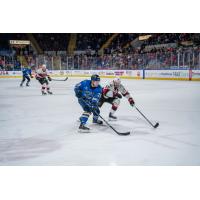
(112,93)
(42,75)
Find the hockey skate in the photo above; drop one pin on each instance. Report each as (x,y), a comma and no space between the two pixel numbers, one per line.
(44,93)
(83,129)
(97,121)
(49,92)
(112,117)
(27,85)
(21,85)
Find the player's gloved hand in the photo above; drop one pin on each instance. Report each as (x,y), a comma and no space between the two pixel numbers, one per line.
(31,76)
(119,95)
(131,101)
(94,104)
(49,78)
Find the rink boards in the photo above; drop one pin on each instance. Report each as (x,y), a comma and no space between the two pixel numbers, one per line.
(192,75)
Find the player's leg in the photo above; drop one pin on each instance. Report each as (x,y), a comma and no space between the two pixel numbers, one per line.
(23,79)
(115,104)
(47,87)
(43,85)
(28,80)
(96,113)
(84,117)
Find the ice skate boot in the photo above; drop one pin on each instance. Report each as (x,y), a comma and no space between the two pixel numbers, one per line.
(97,121)
(49,92)
(44,93)
(83,129)
(112,117)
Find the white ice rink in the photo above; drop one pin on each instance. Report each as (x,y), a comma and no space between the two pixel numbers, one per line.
(42,130)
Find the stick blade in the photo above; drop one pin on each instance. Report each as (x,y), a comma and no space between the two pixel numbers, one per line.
(156,125)
(126,133)
(65,78)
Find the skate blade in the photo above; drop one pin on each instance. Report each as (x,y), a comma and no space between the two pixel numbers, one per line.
(98,124)
(84,131)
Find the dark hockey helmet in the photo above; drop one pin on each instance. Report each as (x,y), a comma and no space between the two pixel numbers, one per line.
(95,77)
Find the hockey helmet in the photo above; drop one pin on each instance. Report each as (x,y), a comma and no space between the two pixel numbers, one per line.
(44,67)
(95,77)
(117,81)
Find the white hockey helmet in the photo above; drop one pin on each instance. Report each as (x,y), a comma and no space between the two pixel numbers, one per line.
(117,81)
(44,67)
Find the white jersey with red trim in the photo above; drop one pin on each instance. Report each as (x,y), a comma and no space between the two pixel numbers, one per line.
(42,74)
(111,91)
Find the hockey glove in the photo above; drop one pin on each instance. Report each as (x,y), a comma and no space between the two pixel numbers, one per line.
(131,101)
(94,104)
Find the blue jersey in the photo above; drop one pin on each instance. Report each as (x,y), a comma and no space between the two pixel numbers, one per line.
(85,91)
(26,71)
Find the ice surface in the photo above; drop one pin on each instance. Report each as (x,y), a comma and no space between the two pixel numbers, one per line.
(42,130)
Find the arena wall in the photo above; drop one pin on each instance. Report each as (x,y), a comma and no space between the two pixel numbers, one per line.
(186,75)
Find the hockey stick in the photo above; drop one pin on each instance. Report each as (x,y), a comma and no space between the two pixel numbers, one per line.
(155,126)
(119,133)
(59,79)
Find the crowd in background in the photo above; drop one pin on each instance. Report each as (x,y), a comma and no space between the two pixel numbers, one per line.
(160,38)
(171,58)
(120,54)
(92,41)
(182,58)
(52,42)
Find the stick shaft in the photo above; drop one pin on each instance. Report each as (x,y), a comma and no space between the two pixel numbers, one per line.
(144,116)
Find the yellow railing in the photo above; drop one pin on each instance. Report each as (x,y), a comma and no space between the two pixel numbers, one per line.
(34,43)
(22,60)
(108,42)
(72,43)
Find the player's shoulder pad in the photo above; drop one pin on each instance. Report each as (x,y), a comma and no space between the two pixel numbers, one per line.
(85,82)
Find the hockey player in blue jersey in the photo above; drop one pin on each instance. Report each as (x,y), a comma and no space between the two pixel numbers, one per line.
(88,93)
(26,72)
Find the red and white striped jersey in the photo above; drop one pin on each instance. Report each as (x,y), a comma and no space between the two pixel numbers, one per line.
(111,90)
(42,74)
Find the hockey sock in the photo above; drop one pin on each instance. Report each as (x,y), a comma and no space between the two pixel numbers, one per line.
(43,88)
(113,109)
(84,117)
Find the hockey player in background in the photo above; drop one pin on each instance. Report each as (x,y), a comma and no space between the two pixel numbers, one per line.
(26,74)
(112,93)
(42,75)
(88,93)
